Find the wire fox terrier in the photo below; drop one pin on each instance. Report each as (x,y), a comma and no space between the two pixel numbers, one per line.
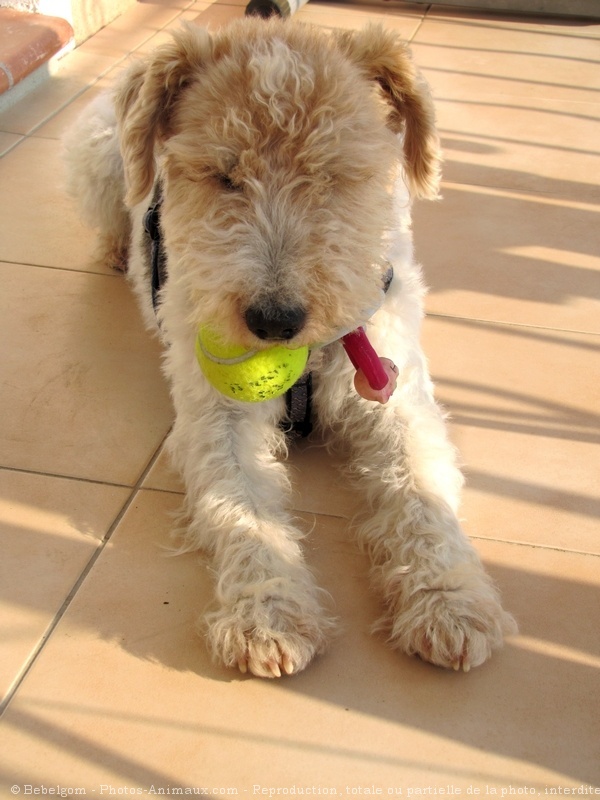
(283,161)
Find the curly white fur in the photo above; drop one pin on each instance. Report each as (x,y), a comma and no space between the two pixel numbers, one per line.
(285,157)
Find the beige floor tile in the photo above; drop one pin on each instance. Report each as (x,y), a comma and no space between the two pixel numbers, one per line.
(181,5)
(399,6)
(344,7)
(524,407)
(217,15)
(319,485)
(189,15)
(124,694)
(164,35)
(135,30)
(49,530)
(201,5)
(73,75)
(39,223)
(516,101)
(510,257)
(8,141)
(463,56)
(549,147)
(404,18)
(163,476)
(498,21)
(63,120)
(130,30)
(123,36)
(83,395)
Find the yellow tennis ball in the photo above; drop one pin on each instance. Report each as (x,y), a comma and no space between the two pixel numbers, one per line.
(248,375)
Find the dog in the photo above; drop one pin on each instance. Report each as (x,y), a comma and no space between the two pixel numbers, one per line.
(282,162)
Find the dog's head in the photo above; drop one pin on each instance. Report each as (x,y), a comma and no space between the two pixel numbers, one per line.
(277,147)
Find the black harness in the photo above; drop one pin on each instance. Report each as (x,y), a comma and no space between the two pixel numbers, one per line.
(158,257)
(298,399)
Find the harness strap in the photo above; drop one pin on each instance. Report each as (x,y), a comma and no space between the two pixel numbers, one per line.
(298,403)
(158,256)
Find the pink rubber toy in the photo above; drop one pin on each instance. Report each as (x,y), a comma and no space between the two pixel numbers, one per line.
(375,377)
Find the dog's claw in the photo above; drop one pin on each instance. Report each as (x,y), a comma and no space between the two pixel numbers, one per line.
(461,663)
(243,666)
(274,667)
(287,664)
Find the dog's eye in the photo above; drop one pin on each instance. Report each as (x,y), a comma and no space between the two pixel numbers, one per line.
(227,183)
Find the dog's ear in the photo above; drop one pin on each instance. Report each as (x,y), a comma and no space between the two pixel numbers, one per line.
(384,58)
(144,99)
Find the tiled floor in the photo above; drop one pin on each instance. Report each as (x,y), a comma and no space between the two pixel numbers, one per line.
(106,686)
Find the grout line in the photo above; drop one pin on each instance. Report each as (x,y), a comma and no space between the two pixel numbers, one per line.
(42,473)
(426,10)
(16,684)
(113,273)
(511,324)
(533,545)
(12,146)
(471,537)
(312,513)
(93,481)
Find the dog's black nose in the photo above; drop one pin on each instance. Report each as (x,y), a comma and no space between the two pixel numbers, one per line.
(275,322)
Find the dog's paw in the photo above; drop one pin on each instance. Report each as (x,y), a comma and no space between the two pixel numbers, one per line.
(267,634)
(456,624)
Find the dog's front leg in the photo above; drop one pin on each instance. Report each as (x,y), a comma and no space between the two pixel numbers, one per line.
(268,618)
(440,603)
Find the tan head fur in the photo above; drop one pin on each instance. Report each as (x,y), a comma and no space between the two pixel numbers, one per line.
(276,146)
